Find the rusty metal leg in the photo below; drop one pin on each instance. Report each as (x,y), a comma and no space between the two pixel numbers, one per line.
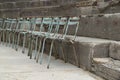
(38,55)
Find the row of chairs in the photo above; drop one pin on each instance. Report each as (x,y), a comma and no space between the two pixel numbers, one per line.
(28,32)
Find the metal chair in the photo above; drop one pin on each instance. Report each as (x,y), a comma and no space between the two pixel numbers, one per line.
(1,28)
(9,31)
(35,37)
(70,21)
(22,31)
(4,26)
(51,33)
(39,34)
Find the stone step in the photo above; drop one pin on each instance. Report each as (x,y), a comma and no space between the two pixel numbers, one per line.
(115,50)
(61,1)
(40,11)
(38,3)
(66,8)
(27,4)
(107,68)
(6,1)
(85,47)
(100,26)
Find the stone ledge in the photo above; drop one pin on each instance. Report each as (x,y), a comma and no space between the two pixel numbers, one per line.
(109,70)
(115,50)
(86,48)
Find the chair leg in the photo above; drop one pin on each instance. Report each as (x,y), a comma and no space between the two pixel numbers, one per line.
(43,46)
(3,37)
(6,37)
(50,54)
(24,40)
(16,38)
(0,37)
(63,54)
(13,40)
(56,52)
(38,55)
(31,49)
(36,47)
(75,55)
(18,41)
(9,39)
(29,45)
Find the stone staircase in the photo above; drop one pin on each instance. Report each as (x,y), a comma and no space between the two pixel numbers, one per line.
(108,68)
(44,8)
(99,50)
(97,43)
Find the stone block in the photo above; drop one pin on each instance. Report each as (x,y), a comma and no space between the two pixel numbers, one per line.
(115,50)
(86,48)
(109,70)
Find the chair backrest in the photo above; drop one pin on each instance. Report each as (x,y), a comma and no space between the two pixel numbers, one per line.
(53,26)
(6,23)
(49,25)
(11,24)
(1,21)
(24,24)
(68,22)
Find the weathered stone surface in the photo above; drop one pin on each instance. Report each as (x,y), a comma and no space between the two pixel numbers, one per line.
(110,7)
(109,70)
(115,50)
(10,13)
(94,27)
(4,1)
(64,8)
(27,4)
(41,11)
(86,49)
(106,26)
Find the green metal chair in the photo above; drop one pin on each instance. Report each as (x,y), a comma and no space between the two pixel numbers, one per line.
(9,31)
(70,21)
(22,31)
(1,24)
(39,34)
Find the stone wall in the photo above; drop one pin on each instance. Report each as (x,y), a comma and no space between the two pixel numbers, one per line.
(102,26)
